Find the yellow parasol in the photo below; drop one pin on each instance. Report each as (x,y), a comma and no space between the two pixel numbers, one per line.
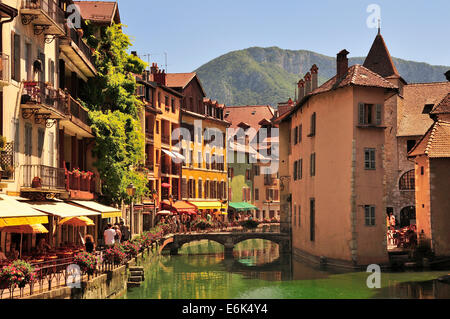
(25,229)
(77,221)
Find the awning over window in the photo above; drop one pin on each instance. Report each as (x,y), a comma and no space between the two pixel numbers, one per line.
(208,205)
(106,211)
(62,209)
(242,206)
(181,157)
(15,213)
(184,207)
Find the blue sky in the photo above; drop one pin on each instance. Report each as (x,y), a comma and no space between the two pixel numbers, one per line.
(193,32)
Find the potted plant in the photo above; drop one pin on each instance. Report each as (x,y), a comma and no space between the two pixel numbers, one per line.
(87,262)
(19,273)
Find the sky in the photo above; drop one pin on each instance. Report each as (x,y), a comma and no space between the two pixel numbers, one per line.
(193,32)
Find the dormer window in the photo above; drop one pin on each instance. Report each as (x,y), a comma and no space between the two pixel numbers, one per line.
(428,108)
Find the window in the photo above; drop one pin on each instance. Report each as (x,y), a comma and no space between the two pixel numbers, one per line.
(313,125)
(410,145)
(407,181)
(369,158)
(422,171)
(40,146)
(157,127)
(296,135)
(159,99)
(369,212)
(313,164)
(312,219)
(256,194)
(369,114)
(173,105)
(200,187)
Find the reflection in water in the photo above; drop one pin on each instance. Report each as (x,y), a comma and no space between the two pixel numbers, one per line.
(258,271)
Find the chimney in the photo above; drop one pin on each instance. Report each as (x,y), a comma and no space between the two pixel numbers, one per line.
(154,68)
(314,77)
(160,77)
(341,64)
(307,83)
(447,75)
(301,89)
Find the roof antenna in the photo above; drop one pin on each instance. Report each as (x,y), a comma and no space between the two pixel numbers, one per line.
(379,25)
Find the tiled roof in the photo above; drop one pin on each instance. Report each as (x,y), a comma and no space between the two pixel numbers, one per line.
(379,60)
(435,143)
(356,75)
(99,11)
(181,80)
(251,114)
(443,107)
(410,118)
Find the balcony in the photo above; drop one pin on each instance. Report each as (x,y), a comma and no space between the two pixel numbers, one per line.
(81,185)
(78,52)
(4,70)
(77,118)
(38,181)
(42,101)
(45,15)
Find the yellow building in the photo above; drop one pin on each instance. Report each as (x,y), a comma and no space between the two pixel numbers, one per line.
(204,180)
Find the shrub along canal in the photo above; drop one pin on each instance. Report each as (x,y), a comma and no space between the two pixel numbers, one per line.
(201,272)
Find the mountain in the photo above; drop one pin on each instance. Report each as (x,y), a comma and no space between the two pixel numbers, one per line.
(257,75)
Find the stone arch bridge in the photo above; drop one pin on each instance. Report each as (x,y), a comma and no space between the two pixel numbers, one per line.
(227,239)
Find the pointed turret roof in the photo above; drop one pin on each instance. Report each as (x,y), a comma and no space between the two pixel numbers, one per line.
(379,60)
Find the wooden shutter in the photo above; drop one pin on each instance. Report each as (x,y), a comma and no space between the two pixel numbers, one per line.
(378,114)
(275,196)
(295,170)
(15,39)
(296,135)
(361,113)
(184,188)
(300,134)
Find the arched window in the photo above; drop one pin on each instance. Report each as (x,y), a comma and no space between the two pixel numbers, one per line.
(407,181)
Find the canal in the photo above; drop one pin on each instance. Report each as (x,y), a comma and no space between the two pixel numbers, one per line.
(257,272)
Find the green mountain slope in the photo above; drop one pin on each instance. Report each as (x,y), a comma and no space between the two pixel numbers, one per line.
(269,75)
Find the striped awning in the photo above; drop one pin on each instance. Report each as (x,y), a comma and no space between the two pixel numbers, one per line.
(62,209)
(15,213)
(106,211)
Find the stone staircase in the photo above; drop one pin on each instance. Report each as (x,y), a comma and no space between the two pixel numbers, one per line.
(136,276)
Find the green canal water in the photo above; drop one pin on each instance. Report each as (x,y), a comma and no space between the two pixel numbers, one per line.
(257,272)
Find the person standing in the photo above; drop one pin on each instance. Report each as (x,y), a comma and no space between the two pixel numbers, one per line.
(125,231)
(109,235)
(89,245)
(118,236)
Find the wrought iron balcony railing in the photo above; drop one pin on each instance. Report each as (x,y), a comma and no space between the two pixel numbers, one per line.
(41,93)
(49,8)
(41,176)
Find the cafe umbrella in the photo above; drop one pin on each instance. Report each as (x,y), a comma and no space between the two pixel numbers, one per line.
(25,229)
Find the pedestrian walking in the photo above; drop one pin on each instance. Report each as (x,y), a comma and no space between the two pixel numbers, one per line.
(109,235)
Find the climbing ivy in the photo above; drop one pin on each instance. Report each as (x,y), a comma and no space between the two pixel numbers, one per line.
(114,112)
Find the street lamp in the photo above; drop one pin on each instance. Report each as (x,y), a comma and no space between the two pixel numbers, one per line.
(131,191)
